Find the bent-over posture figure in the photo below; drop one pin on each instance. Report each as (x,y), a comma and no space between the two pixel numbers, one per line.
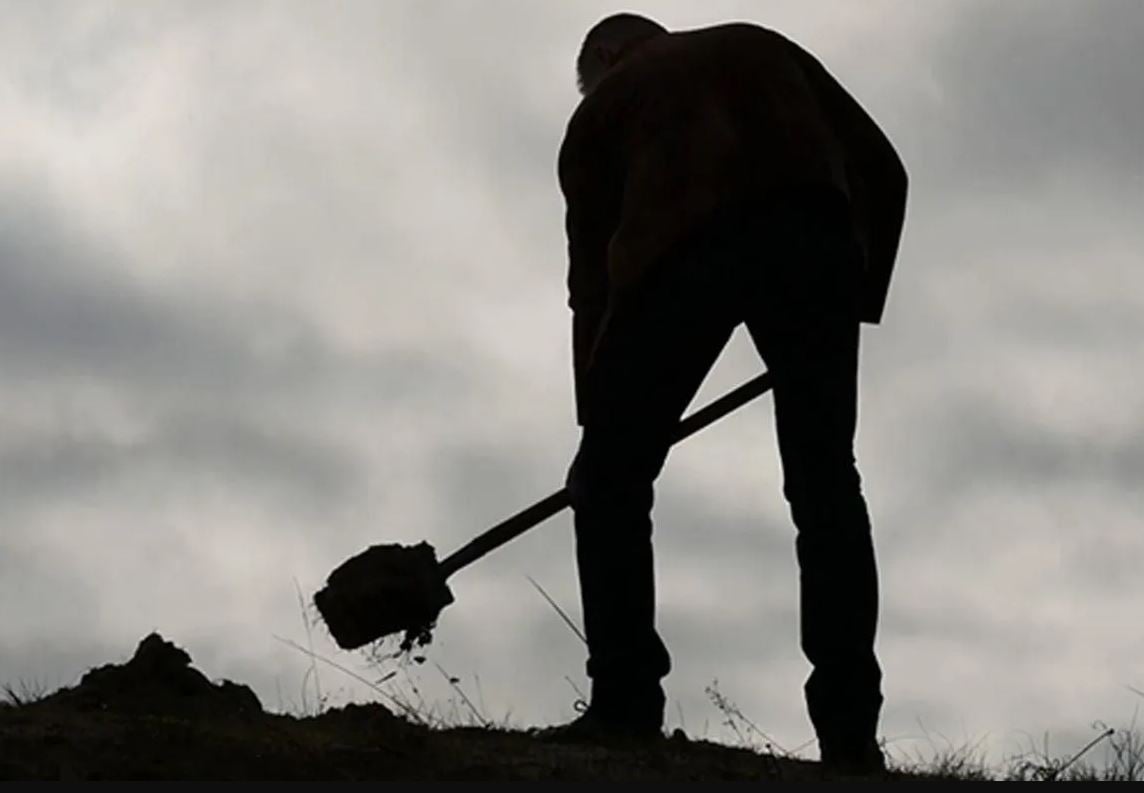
(715,177)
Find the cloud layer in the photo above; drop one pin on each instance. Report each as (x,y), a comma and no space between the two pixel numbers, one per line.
(278,281)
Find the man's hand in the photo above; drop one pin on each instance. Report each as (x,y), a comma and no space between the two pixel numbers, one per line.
(570,480)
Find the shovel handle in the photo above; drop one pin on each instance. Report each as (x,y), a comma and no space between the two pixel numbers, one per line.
(524,520)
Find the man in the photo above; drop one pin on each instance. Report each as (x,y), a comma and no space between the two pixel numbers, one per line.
(715,177)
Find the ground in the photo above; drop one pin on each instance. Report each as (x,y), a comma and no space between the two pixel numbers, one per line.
(157,717)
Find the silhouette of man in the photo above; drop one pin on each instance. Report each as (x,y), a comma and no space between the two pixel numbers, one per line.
(714,177)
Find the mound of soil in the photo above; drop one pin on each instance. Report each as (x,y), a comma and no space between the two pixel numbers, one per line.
(159,679)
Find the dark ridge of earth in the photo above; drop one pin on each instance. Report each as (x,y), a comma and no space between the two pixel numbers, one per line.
(157,717)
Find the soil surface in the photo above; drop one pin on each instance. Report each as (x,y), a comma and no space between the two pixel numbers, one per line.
(157,717)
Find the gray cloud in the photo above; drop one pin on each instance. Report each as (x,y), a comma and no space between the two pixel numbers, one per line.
(1025,94)
(65,309)
(247,457)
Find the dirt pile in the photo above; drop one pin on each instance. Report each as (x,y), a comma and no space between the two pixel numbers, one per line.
(158,717)
(159,679)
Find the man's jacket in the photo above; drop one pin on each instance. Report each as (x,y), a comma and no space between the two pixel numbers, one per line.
(695,121)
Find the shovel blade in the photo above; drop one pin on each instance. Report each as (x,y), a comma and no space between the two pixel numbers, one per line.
(385,589)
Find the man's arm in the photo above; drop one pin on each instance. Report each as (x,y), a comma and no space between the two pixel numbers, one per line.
(590,219)
(587,296)
(877,180)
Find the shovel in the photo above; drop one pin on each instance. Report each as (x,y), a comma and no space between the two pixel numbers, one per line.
(389,589)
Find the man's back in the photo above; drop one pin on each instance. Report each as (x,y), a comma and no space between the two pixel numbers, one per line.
(697,121)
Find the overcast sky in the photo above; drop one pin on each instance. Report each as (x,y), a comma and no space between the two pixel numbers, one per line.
(280,280)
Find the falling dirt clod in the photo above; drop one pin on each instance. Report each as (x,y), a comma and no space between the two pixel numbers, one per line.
(384,590)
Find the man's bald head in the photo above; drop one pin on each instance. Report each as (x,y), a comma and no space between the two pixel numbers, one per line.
(608,42)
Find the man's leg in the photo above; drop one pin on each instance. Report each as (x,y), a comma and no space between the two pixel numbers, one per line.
(808,335)
(815,416)
(648,365)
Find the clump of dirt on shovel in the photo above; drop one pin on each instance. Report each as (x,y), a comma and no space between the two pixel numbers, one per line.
(385,590)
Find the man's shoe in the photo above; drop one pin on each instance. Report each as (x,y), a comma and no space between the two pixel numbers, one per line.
(593,728)
(862,759)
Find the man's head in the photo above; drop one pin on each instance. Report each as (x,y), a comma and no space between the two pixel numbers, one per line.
(608,42)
